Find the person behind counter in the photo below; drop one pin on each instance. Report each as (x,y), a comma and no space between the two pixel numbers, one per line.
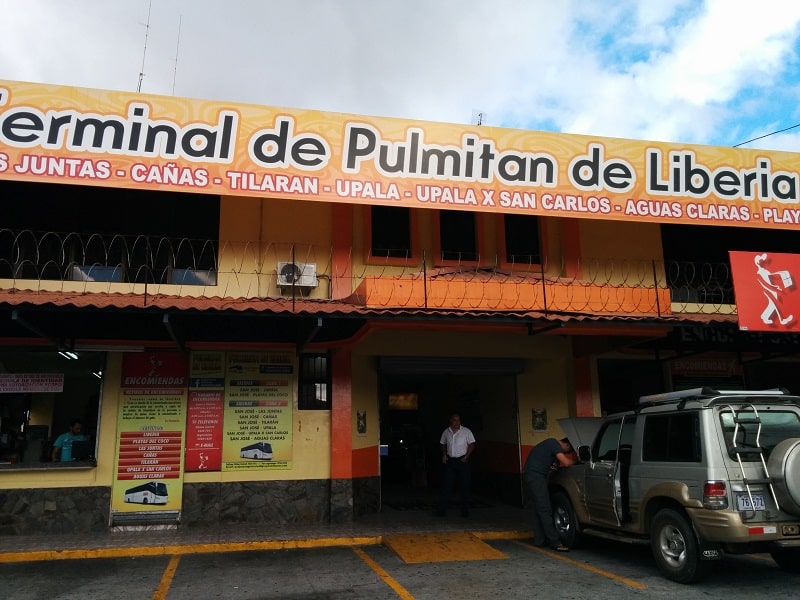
(62,447)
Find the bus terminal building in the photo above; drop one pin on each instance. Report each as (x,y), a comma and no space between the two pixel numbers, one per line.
(267,315)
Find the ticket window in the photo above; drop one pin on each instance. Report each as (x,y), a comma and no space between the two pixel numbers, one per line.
(41,393)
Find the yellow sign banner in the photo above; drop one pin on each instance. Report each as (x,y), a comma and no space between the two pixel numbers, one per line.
(258,411)
(151,427)
(117,139)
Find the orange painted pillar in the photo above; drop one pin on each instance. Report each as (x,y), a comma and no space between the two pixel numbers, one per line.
(342,250)
(582,374)
(341,415)
(342,501)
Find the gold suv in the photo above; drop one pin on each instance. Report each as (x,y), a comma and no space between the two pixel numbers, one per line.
(694,474)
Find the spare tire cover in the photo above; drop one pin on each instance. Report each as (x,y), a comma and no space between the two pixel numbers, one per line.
(784,468)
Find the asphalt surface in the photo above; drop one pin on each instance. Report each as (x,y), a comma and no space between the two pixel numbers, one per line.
(394,554)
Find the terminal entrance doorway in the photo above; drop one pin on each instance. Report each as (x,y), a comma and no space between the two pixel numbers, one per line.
(415,408)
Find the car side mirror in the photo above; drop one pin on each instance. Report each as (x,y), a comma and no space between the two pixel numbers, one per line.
(584,453)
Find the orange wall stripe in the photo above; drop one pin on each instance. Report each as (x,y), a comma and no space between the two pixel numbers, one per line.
(365,462)
(411,292)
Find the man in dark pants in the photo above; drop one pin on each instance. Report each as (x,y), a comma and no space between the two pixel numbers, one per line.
(543,458)
(457,444)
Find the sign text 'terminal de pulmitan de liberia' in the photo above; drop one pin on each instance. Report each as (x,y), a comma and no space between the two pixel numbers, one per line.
(93,137)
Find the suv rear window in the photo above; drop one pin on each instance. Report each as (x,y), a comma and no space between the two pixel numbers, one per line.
(672,437)
(776,426)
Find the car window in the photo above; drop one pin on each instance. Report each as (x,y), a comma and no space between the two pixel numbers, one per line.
(628,431)
(776,426)
(605,447)
(672,437)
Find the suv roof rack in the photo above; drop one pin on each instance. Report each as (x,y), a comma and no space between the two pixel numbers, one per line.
(682,396)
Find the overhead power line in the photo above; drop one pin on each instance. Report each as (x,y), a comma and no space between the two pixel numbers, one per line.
(761,137)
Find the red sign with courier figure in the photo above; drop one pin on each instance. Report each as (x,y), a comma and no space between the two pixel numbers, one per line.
(767,288)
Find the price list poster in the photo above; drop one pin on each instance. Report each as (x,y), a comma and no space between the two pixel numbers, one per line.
(258,411)
(205,412)
(150,426)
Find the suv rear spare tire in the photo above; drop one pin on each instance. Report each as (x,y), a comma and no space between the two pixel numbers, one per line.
(784,468)
(675,547)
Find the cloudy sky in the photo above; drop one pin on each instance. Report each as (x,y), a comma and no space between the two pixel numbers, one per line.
(696,71)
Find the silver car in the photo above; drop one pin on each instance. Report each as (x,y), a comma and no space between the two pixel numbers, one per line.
(694,474)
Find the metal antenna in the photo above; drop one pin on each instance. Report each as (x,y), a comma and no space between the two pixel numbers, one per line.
(144,52)
(177,48)
(478,117)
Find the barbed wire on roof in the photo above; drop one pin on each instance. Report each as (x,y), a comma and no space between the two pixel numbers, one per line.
(94,263)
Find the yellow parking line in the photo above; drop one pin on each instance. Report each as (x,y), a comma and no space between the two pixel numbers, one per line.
(629,582)
(402,592)
(42,555)
(166,579)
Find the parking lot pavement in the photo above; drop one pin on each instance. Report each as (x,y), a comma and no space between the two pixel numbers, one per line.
(602,569)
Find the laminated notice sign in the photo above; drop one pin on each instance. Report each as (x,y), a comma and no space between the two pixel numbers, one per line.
(151,427)
(205,411)
(258,411)
(31,383)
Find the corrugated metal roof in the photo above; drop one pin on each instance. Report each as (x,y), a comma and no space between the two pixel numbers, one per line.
(306,306)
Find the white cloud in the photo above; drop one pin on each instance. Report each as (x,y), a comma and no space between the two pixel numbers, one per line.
(669,70)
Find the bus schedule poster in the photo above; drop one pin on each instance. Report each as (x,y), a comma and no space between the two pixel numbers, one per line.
(151,426)
(258,411)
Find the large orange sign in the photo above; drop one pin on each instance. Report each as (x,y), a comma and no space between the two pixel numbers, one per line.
(91,137)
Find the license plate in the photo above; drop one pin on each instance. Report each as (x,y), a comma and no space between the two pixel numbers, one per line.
(744,502)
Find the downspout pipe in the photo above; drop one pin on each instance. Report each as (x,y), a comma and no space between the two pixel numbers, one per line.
(171,330)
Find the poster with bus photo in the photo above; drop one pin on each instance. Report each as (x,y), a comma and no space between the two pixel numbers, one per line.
(258,411)
(150,427)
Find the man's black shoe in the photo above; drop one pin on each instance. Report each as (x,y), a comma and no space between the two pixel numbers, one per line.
(438,513)
(464,512)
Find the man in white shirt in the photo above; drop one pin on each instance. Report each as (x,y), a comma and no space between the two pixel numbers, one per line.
(457,444)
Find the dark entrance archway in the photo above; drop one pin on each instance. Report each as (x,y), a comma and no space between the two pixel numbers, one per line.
(417,397)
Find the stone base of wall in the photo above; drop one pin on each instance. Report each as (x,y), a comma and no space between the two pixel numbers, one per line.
(76,510)
(54,510)
(272,502)
(366,495)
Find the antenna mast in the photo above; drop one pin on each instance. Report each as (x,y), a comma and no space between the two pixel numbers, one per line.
(177,48)
(144,52)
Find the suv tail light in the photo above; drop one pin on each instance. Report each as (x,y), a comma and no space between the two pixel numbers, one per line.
(715,495)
